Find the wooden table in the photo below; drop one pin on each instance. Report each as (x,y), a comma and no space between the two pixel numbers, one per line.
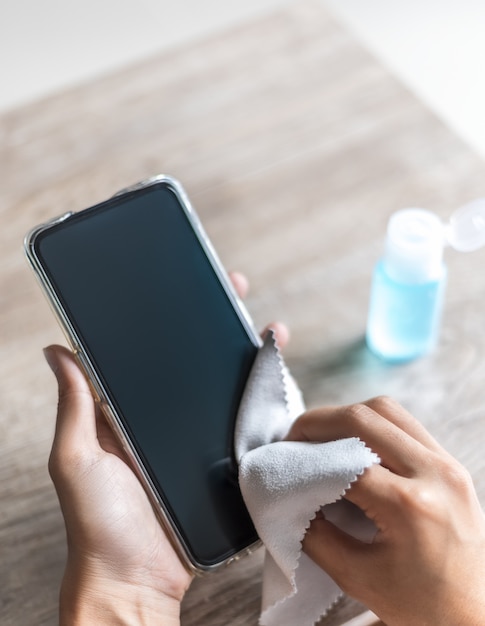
(295,145)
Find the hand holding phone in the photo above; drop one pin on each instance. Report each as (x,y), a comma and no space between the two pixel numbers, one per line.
(119,556)
(120,562)
(166,347)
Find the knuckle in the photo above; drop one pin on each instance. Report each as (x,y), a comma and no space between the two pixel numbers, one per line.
(66,464)
(298,430)
(418,500)
(52,466)
(430,496)
(75,400)
(356,414)
(57,466)
(456,475)
(422,497)
(382,404)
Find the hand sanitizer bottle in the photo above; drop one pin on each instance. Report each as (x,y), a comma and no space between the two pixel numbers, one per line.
(409,281)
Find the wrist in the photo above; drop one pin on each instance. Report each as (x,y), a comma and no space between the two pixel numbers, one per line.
(86,600)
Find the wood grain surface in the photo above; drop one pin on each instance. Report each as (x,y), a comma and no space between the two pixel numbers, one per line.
(295,145)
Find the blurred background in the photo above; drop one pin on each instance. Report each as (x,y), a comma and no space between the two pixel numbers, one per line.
(435,47)
(297,128)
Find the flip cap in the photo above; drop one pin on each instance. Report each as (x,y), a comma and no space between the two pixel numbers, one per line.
(466,229)
(414,246)
(416,239)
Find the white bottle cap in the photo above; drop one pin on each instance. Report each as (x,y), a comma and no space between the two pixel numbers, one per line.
(414,246)
(416,238)
(466,229)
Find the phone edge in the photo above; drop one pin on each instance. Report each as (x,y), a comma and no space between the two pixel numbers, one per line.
(99,394)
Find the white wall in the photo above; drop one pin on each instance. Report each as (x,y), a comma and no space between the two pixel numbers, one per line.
(46,45)
(437,47)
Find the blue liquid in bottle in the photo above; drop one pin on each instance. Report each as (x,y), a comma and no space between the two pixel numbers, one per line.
(404,319)
(408,287)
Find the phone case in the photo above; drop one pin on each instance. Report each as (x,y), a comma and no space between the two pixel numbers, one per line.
(94,381)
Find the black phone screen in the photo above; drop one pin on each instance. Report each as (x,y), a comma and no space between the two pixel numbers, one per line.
(169,348)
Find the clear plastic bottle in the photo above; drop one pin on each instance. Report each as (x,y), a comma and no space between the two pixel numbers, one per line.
(409,281)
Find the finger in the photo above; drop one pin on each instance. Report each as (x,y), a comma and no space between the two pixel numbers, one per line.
(240,283)
(76,416)
(379,493)
(336,552)
(398,451)
(281,333)
(397,414)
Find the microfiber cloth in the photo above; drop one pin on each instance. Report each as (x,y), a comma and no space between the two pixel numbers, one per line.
(285,483)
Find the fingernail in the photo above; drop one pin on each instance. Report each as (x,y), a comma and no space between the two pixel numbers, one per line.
(51,358)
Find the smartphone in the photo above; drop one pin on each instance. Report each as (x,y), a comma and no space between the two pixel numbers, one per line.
(167,347)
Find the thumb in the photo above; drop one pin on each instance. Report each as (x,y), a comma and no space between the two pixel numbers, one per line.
(75,434)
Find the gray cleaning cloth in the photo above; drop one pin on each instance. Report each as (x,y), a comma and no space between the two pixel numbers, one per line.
(285,483)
